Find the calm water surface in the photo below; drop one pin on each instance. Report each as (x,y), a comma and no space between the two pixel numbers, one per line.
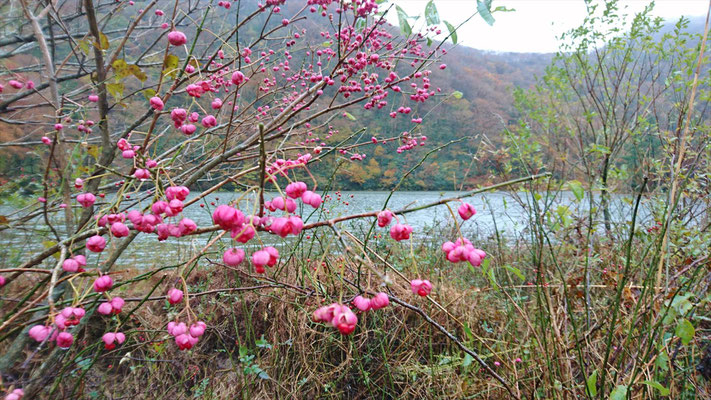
(502,211)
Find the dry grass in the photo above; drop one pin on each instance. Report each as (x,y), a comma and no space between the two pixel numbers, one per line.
(394,353)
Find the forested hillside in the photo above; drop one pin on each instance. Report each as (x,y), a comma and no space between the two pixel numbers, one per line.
(474,103)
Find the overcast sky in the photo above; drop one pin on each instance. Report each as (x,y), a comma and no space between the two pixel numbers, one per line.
(534,25)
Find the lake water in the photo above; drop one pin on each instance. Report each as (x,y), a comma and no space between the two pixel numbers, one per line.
(502,211)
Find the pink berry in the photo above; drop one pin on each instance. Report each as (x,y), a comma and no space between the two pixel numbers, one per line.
(103,283)
(118,229)
(384,218)
(421,287)
(65,340)
(379,301)
(156,103)
(466,211)
(86,199)
(400,232)
(233,257)
(96,244)
(175,296)
(362,303)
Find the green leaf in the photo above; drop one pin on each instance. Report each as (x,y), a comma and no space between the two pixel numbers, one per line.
(577,188)
(681,304)
(350,116)
(360,24)
(402,21)
(263,343)
(148,93)
(619,393)
(591,384)
(115,89)
(468,332)
(84,46)
(457,94)
(429,41)
(662,361)
(515,271)
(491,276)
(452,31)
(662,390)
(170,66)
(685,331)
(484,8)
(467,360)
(431,14)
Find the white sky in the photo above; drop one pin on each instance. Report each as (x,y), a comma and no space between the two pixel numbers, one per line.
(534,25)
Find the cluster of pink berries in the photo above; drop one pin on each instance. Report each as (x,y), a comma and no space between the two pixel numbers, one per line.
(16,394)
(462,250)
(338,315)
(17,84)
(127,150)
(186,337)
(180,117)
(409,142)
(398,231)
(75,263)
(268,256)
(112,306)
(115,223)
(280,166)
(174,206)
(111,339)
(68,317)
(233,220)
(242,230)
(379,301)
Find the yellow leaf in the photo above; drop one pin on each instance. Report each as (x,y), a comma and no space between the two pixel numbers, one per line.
(121,68)
(47,244)
(93,151)
(136,71)
(116,90)
(170,65)
(104,45)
